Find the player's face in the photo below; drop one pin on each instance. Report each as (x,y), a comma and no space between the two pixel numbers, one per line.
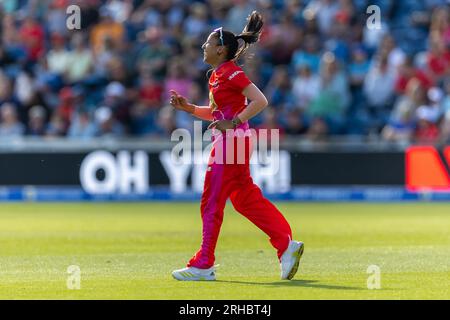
(211,49)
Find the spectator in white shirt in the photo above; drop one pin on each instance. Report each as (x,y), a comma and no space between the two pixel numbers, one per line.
(306,86)
(58,58)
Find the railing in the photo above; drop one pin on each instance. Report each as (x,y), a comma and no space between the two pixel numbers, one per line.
(299,143)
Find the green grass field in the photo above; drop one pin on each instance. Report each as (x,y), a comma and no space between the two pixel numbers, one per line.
(127,251)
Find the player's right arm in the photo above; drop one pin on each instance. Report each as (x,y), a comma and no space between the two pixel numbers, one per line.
(180,103)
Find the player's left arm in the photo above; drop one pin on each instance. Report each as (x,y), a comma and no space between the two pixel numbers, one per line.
(257,103)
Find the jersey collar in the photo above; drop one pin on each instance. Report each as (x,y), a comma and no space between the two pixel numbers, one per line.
(221,65)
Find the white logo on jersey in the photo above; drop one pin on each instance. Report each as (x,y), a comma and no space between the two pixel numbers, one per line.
(234,74)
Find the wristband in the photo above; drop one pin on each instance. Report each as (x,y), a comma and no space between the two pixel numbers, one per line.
(236,121)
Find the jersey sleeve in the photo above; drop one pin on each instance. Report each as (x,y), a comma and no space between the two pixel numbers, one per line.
(239,80)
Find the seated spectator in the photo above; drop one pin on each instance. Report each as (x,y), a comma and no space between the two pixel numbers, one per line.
(440,24)
(306,86)
(10,126)
(10,37)
(106,28)
(318,130)
(238,12)
(446,96)
(426,130)
(118,9)
(285,38)
(56,127)
(378,90)
(56,17)
(150,91)
(358,68)
(196,24)
(338,40)
(81,60)
(106,123)
(435,97)
(295,123)
(325,11)
(196,96)
(270,124)
(379,84)
(142,119)
(81,126)
(58,58)
(402,121)
(165,123)
(310,55)
(6,89)
(32,35)
(25,91)
(37,121)
(395,55)
(103,59)
(438,58)
(407,71)
(445,128)
(155,54)
(66,106)
(334,97)
(115,98)
(278,89)
(177,78)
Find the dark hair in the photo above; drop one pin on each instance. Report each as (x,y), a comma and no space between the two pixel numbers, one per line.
(249,35)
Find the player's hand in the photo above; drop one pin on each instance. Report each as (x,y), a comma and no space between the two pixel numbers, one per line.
(222,125)
(180,102)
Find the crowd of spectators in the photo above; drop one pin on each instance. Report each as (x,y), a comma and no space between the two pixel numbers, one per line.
(322,69)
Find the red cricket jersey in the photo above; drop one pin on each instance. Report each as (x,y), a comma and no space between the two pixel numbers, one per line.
(225,92)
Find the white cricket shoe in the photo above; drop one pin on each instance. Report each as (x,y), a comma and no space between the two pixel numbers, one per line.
(195,274)
(290,260)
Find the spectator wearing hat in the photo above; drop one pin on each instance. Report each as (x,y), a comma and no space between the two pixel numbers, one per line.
(115,98)
(106,124)
(427,130)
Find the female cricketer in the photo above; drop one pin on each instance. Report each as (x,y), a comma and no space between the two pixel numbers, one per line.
(229,89)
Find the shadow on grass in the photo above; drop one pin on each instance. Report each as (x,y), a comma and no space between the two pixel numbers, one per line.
(296,283)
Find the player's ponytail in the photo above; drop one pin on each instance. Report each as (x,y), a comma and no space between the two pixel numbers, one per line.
(250,34)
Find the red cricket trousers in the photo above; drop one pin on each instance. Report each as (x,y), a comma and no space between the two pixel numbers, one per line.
(233,180)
